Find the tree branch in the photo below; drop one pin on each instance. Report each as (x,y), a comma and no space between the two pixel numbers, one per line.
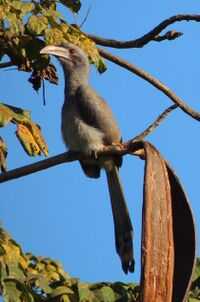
(6,64)
(170,35)
(153,81)
(133,146)
(69,156)
(152,35)
(155,124)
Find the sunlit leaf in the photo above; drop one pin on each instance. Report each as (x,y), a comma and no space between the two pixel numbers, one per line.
(36,24)
(36,132)
(16,25)
(19,111)
(6,115)
(85,294)
(53,36)
(106,293)
(23,7)
(61,290)
(3,154)
(27,140)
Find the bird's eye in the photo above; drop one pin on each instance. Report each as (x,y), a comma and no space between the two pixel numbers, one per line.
(71,51)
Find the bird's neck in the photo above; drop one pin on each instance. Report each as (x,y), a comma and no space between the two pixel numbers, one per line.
(73,80)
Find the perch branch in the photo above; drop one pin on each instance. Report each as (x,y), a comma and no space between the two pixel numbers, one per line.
(134,146)
(69,156)
(6,64)
(153,81)
(152,35)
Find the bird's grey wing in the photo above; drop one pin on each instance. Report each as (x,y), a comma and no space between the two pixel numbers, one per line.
(95,112)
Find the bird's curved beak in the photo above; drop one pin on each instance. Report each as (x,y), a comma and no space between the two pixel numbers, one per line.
(56,50)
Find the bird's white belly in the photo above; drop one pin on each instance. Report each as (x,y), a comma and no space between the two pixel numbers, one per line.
(79,136)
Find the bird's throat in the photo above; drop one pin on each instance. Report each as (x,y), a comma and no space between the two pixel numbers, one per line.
(73,80)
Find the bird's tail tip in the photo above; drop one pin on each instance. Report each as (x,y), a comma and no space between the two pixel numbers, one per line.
(128,266)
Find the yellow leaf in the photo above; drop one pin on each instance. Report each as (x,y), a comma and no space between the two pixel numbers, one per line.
(36,132)
(27,140)
(6,115)
(3,154)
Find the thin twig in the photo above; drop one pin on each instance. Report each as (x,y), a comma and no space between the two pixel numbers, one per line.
(147,77)
(86,16)
(76,19)
(150,36)
(170,35)
(132,43)
(155,124)
(43,92)
(6,64)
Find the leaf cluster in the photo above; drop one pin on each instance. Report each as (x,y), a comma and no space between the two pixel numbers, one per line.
(27,278)
(195,288)
(28,133)
(27,26)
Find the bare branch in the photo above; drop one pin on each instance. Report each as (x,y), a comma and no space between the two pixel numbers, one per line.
(155,124)
(152,35)
(147,77)
(170,35)
(6,64)
(132,43)
(76,19)
(86,16)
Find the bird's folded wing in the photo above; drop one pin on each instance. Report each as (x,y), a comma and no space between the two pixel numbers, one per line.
(95,112)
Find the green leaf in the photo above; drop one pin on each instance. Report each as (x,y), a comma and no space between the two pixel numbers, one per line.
(197,271)
(43,283)
(11,292)
(61,290)
(105,294)
(22,7)
(53,35)
(3,154)
(16,25)
(85,294)
(36,24)
(4,10)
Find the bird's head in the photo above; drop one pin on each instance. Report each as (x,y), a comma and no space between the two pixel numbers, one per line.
(70,56)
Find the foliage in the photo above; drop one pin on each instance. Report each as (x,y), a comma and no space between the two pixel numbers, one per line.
(26,26)
(28,133)
(195,288)
(27,278)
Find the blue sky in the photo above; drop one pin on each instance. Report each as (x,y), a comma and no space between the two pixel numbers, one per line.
(59,213)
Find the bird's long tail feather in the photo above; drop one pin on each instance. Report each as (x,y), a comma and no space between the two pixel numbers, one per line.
(122,222)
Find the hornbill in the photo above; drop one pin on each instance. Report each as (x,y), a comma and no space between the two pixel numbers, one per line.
(87,125)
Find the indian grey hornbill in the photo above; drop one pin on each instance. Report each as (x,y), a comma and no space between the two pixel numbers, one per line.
(87,125)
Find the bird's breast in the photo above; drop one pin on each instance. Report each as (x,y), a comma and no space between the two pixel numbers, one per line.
(77,135)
